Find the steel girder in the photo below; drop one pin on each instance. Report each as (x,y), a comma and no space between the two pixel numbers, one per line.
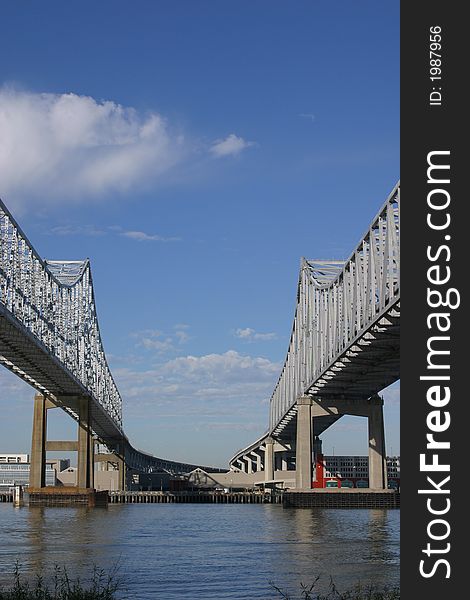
(50,326)
(345,338)
(50,337)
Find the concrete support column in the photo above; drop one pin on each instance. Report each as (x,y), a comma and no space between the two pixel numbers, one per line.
(85,443)
(121,465)
(122,468)
(259,466)
(91,465)
(249,464)
(303,471)
(269,460)
(377,455)
(284,463)
(37,473)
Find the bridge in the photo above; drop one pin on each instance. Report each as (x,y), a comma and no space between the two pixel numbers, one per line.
(343,350)
(50,338)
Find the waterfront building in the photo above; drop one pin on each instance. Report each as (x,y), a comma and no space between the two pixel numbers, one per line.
(330,471)
(12,474)
(13,458)
(14,470)
(353,471)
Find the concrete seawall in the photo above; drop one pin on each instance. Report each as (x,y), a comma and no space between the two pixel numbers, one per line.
(193,498)
(341,498)
(67,496)
(321,498)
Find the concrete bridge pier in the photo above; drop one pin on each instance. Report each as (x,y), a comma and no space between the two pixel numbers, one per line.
(85,462)
(121,465)
(37,473)
(259,461)
(377,454)
(269,459)
(84,445)
(307,447)
(304,463)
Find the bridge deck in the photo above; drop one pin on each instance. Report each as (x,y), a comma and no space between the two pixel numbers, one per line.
(26,356)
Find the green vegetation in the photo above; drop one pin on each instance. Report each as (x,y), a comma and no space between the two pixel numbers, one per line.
(104,586)
(101,586)
(358,592)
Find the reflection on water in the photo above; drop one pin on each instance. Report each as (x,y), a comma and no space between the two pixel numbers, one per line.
(172,551)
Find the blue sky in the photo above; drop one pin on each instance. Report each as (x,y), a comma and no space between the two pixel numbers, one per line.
(194,151)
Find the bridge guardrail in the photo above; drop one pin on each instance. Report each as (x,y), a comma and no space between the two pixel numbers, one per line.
(338,300)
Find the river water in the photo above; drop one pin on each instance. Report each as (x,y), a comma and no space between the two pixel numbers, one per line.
(226,551)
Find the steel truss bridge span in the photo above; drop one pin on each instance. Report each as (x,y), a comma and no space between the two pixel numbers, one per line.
(50,338)
(345,338)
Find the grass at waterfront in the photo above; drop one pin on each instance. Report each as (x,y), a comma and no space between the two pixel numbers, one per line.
(358,592)
(59,586)
(105,586)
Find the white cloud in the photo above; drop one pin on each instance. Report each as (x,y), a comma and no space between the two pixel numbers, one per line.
(83,230)
(154,339)
(250,335)
(93,231)
(162,343)
(141,236)
(229,379)
(309,116)
(66,146)
(217,367)
(181,336)
(229,426)
(230,146)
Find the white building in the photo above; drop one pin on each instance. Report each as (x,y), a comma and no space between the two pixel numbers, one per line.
(14,458)
(14,470)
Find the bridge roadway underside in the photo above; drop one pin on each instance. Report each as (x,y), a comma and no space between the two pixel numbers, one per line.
(370,364)
(29,359)
(23,354)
